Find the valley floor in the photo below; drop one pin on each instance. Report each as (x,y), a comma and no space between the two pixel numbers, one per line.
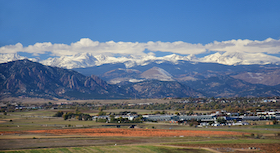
(33,131)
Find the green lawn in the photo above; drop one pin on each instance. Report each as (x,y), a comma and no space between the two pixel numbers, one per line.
(268,126)
(35,113)
(232,141)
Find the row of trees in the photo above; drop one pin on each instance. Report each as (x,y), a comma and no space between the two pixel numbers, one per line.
(112,119)
(68,115)
(81,116)
(233,106)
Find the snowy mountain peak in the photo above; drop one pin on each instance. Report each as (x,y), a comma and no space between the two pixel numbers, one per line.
(101,57)
(173,56)
(191,57)
(83,55)
(4,58)
(240,58)
(75,61)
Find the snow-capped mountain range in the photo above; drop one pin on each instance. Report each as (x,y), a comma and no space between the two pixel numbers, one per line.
(4,58)
(83,60)
(238,58)
(148,76)
(87,60)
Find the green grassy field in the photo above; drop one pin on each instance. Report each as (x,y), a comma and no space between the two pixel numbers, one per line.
(41,119)
(268,126)
(232,141)
(35,113)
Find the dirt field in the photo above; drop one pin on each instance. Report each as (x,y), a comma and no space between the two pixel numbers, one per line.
(128,132)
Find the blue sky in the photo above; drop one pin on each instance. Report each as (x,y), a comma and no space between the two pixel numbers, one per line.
(196,22)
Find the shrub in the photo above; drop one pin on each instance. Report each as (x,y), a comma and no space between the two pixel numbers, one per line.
(102,120)
(258,136)
(275,122)
(58,114)
(101,113)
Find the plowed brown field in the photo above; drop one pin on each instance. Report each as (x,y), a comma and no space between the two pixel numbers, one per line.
(127,132)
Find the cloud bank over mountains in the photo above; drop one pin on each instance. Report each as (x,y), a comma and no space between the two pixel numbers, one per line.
(269,46)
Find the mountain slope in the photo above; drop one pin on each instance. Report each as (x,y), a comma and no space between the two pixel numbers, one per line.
(266,77)
(226,86)
(26,78)
(120,75)
(30,79)
(210,79)
(161,89)
(158,74)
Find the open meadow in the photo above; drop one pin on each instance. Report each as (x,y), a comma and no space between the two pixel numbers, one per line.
(38,131)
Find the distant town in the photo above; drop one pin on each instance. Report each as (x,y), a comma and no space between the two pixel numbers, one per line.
(186,111)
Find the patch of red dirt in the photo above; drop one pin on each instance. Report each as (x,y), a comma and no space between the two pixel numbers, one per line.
(129,132)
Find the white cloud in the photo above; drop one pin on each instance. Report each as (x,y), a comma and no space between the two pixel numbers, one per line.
(176,47)
(11,48)
(95,47)
(269,45)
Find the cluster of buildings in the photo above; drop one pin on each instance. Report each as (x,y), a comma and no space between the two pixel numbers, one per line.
(213,119)
(267,115)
